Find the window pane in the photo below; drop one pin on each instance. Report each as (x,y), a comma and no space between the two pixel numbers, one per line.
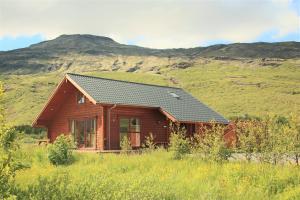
(90,133)
(88,126)
(80,98)
(80,131)
(135,125)
(124,128)
(124,125)
(72,129)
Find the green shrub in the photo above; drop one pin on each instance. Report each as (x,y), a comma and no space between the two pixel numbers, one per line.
(8,166)
(8,162)
(149,143)
(292,135)
(29,130)
(249,137)
(271,139)
(125,144)
(210,143)
(179,144)
(272,142)
(60,153)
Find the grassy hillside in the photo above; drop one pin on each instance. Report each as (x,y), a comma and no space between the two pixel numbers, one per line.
(232,88)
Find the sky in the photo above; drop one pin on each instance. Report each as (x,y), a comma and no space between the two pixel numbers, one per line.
(150,23)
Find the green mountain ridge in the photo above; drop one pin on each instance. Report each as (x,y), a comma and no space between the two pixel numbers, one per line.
(55,54)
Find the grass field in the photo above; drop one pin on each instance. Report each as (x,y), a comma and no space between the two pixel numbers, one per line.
(153,176)
(231,88)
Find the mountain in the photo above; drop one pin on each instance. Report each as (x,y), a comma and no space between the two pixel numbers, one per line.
(70,51)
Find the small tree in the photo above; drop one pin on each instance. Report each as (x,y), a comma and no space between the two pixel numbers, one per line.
(125,144)
(8,164)
(248,134)
(273,141)
(60,153)
(149,142)
(179,144)
(293,136)
(210,143)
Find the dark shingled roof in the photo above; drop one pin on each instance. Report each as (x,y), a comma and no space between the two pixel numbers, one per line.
(175,101)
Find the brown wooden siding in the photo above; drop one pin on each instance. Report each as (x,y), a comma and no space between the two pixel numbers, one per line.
(70,109)
(152,121)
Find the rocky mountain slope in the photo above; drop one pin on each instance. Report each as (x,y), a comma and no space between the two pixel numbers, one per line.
(96,53)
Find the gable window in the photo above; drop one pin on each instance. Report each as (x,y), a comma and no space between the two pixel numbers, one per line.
(80,98)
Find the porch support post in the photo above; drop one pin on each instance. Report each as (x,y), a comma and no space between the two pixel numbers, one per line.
(103,128)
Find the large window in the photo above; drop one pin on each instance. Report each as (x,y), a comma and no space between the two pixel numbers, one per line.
(83,132)
(130,128)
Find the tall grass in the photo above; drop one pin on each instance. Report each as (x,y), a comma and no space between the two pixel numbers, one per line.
(153,176)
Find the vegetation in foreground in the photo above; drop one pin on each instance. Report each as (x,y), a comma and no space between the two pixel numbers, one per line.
(159,174)
(154,175)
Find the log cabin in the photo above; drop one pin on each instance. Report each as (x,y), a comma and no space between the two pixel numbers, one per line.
(99,112)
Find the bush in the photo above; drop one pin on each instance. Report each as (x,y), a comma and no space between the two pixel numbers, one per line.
(8,162)
(210,143)
(60,153)
(29,130)
(272,139)
(125,144)
(249,137)
(292,134)
(8,165)
(149,143)
(179,144)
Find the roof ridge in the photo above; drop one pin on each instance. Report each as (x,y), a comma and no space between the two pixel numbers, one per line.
(123,81)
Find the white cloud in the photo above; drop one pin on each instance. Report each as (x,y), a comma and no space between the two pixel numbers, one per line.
(160,24)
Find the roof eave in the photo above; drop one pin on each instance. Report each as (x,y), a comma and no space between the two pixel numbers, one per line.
(81,89)
(34,123)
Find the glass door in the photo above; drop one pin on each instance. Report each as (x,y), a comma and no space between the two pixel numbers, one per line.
(130,128)
(80,132)
(90,133)
(84,132)
(124,129)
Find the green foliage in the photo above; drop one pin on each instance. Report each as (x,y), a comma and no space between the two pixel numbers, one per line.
(8,163)
(154,176)
(210,143)
(273,139)
(125,144)
(8,137)
(292,135)
(149,143)
(60,153)
(179,144)
(249,134)
(29,130)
